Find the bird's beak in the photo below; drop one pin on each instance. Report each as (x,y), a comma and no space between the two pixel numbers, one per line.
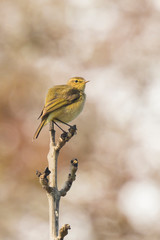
(86,81)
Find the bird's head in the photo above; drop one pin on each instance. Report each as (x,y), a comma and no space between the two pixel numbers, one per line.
(77,82)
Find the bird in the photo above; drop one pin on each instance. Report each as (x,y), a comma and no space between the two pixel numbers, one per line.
(63,103)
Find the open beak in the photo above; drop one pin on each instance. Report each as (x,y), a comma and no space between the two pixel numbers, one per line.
(86,81)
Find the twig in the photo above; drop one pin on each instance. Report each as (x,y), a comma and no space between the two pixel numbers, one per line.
(43,179)
(63,232)
(71,178)
(65,137)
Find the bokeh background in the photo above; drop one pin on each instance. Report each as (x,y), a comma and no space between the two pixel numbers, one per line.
(116,45)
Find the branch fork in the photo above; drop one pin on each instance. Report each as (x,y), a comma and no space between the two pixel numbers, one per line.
(48,181)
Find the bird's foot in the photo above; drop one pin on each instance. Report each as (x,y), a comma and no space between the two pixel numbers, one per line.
(72,129)
(64,135)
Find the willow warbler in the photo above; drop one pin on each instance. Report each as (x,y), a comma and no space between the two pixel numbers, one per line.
(63,103)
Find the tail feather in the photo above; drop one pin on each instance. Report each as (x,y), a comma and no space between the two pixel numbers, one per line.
(39,129)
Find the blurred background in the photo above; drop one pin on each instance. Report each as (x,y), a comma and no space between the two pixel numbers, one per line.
(116,45)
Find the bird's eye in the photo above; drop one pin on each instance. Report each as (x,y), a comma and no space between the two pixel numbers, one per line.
(76,81)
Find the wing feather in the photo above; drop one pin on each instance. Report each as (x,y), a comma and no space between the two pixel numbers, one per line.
(60,98)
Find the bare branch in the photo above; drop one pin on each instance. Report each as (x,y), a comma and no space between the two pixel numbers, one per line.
(71,177)
(43,179)
(48,181)
(54,196)
(63,232)
(51,129)
(65,137)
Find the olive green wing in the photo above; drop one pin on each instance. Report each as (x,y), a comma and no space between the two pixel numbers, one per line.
(52,94)
(60,98)
(56,91)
